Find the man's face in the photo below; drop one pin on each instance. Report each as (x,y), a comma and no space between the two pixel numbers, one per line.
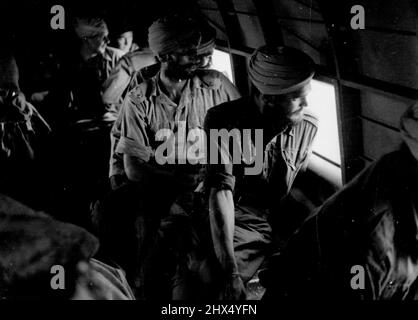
(183,63)
(125,41)
(284,110)
(98,42)
(205,59)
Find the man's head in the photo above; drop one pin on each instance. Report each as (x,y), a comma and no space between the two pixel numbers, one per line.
(281,82)
(174,40)
(93,33)
(124,40)
(207,46)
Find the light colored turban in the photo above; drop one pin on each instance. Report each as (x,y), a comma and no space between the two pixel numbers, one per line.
(172,33)
(88,27)
(280,70)
(409,129)
(206,46)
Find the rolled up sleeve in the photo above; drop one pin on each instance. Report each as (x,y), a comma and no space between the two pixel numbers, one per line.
(134,140)
(228,90)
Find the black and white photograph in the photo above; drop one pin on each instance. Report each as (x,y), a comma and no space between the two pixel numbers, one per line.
(209,157)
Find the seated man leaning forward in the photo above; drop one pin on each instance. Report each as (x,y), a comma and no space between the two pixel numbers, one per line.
(132,70)
(161,110)
(257,145)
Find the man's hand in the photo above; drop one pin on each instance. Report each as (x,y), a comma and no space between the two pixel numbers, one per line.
(20,100)
(117,181)
(234,289)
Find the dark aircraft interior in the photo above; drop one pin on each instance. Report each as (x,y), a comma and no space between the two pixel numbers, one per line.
(341,221)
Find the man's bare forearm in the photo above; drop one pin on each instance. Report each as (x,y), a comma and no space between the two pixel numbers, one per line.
(222,221)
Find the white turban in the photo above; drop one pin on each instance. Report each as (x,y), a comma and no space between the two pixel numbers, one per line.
(280,70)
(409,129)
(88,27)
(172,33)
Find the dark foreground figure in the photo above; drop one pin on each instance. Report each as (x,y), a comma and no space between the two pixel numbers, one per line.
(371,225)
(31,243)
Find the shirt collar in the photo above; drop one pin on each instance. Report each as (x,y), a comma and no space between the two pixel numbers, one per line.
(255,117)
(107,54)
(204,79)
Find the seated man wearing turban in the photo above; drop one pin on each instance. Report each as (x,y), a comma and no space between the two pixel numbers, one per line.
(175,100)
(361,244)
(78,116)
(131,71)
(84,71)
(224,256)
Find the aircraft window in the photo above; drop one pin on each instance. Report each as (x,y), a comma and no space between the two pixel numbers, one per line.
(221,61)
(326,148)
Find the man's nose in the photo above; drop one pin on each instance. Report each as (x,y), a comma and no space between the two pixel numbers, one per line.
(303,102)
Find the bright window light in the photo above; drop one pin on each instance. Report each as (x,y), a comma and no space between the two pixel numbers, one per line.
(321,100)
(326,158)
(221,61)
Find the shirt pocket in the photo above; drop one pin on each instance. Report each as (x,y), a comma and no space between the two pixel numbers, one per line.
(289,156)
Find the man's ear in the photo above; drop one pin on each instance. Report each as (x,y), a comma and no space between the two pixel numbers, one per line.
(257,94)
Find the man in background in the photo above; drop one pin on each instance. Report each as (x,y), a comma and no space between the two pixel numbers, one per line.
(79,118)
(124,40)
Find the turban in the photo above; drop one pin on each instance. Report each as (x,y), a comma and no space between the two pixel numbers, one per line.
(280,70)
(88,27)
(170,34)
(208,39)
(409,129)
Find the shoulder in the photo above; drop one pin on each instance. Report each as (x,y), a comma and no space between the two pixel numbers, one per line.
(308,124)
(226,113)
(212,78)
(140,59)
(308,127)
(143,91)
(310,119)
(114,53)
